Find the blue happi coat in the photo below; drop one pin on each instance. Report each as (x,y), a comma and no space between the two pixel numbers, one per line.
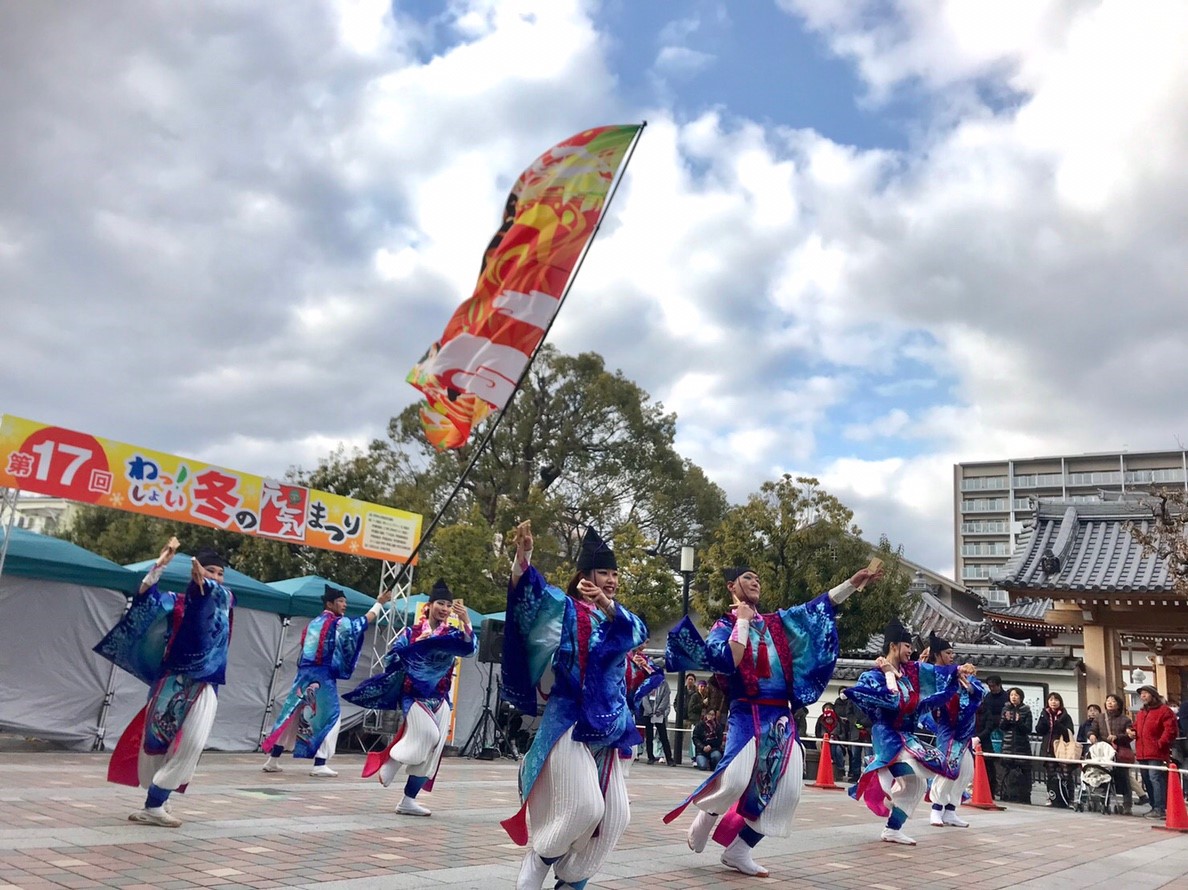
(176,643)
(330,649)
(894,716)
(416,669)
(788,662)
(954,722)
(585,652)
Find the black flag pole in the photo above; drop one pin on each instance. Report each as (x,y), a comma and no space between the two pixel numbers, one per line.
(490,432)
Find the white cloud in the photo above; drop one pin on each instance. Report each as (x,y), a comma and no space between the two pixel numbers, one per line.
(261,220)
(681,61)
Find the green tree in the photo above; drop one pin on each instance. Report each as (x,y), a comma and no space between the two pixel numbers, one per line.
(578,445)
(801,541)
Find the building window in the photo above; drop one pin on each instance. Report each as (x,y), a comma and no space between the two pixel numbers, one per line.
(979,572)
(1039,480)
(986,548)
(1110,478)
(996,596)
(984,505)
(983,483)
(985,527)
(1145,477)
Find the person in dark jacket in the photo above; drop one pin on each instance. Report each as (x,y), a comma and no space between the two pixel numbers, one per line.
(1115,726)
(707,740)
(1091,724)
(1016,729)
(1153,732)
(1055,725)
(694,700)
(989,722)
(853,719)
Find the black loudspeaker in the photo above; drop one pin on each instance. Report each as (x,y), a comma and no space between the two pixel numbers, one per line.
(491,642)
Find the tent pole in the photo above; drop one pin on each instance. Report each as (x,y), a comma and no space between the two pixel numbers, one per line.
(108,695)
(400,583)
(277,661)
(8,504)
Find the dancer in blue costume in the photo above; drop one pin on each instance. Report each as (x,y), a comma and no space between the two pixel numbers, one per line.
(895,695)
(571,648)
(418,672)
(309,719)
(774,664)
(177,643)
(953,723)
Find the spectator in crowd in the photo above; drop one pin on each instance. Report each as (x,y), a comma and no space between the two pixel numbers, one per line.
(1115,729)
(1055,726)
(830,724)
(800,715)
(694,702)
(1015,784)
(1091,724)
(1182,742)
(1153,732)
(656,706)
(989,723)
(715,696)
(853,720)
(707,740)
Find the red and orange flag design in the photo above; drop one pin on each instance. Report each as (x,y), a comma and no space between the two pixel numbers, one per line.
(550,216)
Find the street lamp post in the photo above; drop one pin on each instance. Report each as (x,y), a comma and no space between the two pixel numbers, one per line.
(687,556)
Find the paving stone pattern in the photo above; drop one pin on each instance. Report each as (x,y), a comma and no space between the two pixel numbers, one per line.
(62,825)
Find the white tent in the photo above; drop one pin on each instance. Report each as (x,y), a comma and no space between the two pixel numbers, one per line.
(58,600)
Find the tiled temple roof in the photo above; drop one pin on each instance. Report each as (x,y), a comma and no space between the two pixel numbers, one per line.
(1086,547)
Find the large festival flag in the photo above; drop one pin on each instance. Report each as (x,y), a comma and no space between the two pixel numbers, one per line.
(551,214)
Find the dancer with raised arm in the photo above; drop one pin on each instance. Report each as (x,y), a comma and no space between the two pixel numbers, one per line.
(418,672)
(775,663)
(571,647)
(309,719)
(177,644)
(954,723)
(895,695)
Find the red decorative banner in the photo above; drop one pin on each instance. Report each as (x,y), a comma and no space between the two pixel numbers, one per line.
(63,463)
(551,214)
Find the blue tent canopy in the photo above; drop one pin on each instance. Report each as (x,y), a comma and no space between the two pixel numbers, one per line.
(306,595)
(31,555)
(249,593)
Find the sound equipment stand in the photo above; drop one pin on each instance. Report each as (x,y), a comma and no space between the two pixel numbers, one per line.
(476,745)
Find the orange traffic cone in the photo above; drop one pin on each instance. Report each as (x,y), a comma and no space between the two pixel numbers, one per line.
(982,798)
(825,768)
(1177,815)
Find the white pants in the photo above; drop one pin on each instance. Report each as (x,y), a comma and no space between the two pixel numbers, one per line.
(776,818)
(420,747)
(906,792)
(176,767)
(949,791)
(566,806)
(325,750)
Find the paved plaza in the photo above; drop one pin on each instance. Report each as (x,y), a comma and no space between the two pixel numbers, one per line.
(62,825)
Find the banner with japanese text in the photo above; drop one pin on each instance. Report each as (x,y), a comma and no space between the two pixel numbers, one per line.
(550,216)
(50,460)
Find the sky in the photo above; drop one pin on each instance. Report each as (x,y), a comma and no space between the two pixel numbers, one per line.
(861,241)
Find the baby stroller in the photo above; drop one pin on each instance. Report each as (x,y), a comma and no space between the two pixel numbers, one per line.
(1095,793)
